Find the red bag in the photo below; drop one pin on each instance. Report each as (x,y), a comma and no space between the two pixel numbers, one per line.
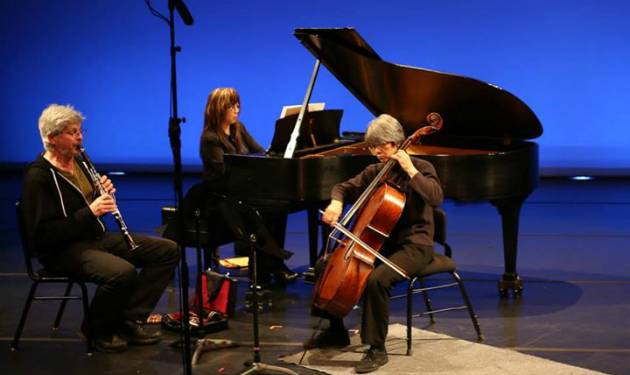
(219,301)
(219,294)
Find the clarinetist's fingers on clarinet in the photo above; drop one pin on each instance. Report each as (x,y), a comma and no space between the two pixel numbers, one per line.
(108,184)
(103,205)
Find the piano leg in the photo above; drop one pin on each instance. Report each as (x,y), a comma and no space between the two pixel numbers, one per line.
(510,209)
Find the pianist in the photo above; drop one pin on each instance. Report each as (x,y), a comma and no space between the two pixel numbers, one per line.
(224,134)
(410,245)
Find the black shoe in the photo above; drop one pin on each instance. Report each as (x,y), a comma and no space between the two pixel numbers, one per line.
(329,339)
(372,360)
(135,333)
(285,276)
(106,343)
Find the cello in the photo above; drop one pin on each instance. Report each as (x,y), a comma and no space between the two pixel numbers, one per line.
(340,286)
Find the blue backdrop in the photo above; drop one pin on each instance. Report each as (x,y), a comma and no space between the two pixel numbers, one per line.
(568,60)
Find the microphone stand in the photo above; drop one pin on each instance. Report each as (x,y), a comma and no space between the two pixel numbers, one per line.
(174,132)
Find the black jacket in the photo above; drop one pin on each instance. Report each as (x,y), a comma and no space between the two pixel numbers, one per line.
(57,215)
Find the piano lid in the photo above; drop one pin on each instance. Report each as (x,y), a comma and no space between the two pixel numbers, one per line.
(469,107)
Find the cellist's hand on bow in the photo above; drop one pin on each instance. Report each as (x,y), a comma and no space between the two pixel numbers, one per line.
(333,212)
(405,162)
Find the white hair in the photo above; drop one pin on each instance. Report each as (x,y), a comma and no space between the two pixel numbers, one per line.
(384,129)
(54,120)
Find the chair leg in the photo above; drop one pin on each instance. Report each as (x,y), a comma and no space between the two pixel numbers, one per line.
(62,307)
(211,258)
(86,312)
(215,258)
(473,317)
(409,314)
(427,301)
(27,307)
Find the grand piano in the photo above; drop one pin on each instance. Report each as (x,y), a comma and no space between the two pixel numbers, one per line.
(481,152)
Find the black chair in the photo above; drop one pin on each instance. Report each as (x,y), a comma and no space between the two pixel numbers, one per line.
(441,264)
(45,276)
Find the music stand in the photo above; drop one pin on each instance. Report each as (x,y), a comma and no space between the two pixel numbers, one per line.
(247,225)
(202,342)
(317,128)
(191,206)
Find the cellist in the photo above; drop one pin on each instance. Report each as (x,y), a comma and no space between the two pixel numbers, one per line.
(410,245)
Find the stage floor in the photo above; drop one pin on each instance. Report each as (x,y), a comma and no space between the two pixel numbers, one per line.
(573,257)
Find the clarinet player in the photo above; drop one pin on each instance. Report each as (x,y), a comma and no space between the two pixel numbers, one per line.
(63,208)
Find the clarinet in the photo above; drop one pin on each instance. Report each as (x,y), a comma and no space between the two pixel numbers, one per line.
(96,181)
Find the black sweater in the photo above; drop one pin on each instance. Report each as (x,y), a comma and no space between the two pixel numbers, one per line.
(57,215)
(212,150)
(423,193)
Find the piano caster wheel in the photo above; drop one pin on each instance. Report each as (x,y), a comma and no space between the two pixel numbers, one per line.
(518,293)
(515,286)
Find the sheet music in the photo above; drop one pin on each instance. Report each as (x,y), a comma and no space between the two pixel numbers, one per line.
(289,110)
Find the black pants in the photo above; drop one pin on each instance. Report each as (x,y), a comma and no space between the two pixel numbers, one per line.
(271,236)
(123,292)
(375,318)
(276,225)
(215,218)
(375,313)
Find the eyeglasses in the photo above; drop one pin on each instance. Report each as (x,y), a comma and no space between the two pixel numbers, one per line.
(381,147)
(235,107)
(75,132)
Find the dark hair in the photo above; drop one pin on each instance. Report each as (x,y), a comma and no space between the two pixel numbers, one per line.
(219,101)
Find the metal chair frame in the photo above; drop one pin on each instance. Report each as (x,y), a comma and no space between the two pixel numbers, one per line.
(440,264)
(44,276)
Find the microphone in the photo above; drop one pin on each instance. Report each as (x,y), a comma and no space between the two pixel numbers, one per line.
(183,11)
